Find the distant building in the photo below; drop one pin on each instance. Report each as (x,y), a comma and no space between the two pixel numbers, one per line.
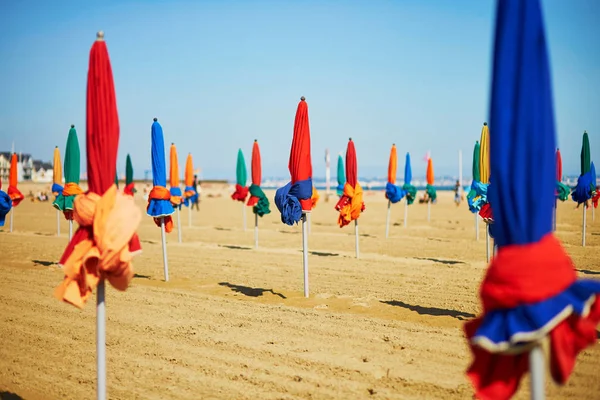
(27,167)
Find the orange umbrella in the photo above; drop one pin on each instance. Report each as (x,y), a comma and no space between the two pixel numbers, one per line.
(430,171)
(174,178)
(14,193)
(392,165)
(190,191)
(57,173)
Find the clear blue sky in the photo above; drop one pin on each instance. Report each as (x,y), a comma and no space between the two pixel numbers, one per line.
(219,74)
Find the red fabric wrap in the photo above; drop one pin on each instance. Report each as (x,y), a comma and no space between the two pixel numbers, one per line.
(240,194)
(595,199)
(252,201)
(525,274)
(486,213)
(129,189)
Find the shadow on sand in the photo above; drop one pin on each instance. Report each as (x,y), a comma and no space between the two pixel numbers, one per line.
(250,291)
(437,260)
(588,272)
(436,312)
(232,247)
(43,263)
(140,276)
(9,396)
(322,254)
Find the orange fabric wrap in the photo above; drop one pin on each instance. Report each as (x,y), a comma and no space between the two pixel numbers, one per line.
(161,193)
(72,189)
(114,219)
(315,197)
(350,210)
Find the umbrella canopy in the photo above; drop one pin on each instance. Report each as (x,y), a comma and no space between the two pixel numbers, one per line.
(484,155)
(392,192)
(57,173)
(477,196)
(351,203)
(64,201)
(476,170)
(159,199)
(562,190)
(409,189)
(296,197)
(14,193)
(258,200)
(530,289)
(129,185)
(341,176)
(190,193)
(5,204)
(105,242)
(430,190)
(586,184)
(241,176)
(174,177)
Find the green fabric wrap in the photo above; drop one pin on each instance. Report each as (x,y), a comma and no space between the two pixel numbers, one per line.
(411,193)
(262,207)
(431,192)
(563,191)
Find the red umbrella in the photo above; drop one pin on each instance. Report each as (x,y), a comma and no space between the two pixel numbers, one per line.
(300,164)
(256,171)
(350,204)
(558,166)
(106,240)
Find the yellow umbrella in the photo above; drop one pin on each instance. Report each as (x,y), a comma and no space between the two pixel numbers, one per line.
(484,155)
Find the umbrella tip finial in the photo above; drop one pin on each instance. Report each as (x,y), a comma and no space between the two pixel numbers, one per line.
(100,35)
(393,144)
(155,119)
(255,140)
(72,126)
(302,98)
(485,124)
(350,139)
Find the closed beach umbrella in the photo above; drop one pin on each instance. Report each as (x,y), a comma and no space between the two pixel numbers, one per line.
(174,177)
(530,291)
(392,192)
(57,173)
(562,190)
(159,199)
(341,176)
(14,193)
(104,244)
(64,201)
(129,185)
(430,189)
(351,203)
(258,200)
(241,177)
(411,191)
(5,204)
(190,193)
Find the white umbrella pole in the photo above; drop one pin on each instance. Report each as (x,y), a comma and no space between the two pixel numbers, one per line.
(428,211)
(536,370)
(244,215)
(405,214)
(190,216)
(305,253)
(178,225)
(256,231)
(356,237)
(164,246)
(57,223)
(12,214)
(487,243)
(582,227)
(100,342)
(476,227)
(308,221)
(387,220)
(70,229)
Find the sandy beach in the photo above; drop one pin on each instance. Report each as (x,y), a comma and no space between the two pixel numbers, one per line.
(232,322)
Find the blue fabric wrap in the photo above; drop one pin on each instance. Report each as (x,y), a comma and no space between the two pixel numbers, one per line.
(583,190)
(191,200)
(176,191)
(287,200)
(56,188)
(5,206)
(394,193)
(160,208)
(507,327)
(340,189)
(477,189)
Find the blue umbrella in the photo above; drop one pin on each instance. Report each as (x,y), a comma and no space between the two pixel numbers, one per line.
(530,290)
(410,190)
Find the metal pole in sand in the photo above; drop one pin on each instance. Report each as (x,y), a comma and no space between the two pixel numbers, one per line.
(305,253)
(256,231)
(387,219)
(582,227)
(100,342)
(308,222)
(537,372)
(178,225)
(356,237)
(164,246)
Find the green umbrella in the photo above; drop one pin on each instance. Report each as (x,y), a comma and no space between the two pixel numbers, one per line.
(117,180)
(585,155)
(128,171)
(64,201)
(341,177)
(241,174)
(476,173)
